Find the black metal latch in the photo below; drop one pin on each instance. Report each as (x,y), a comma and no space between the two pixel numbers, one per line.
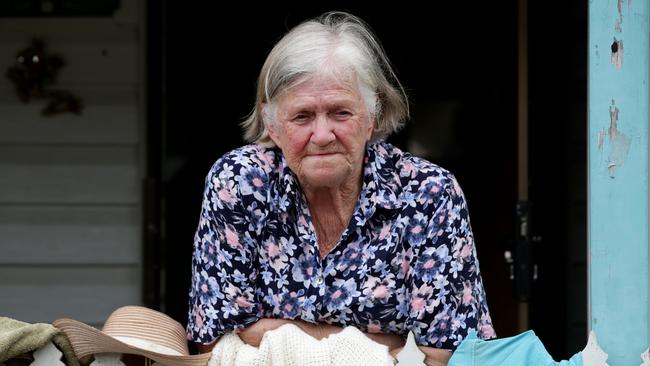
(523,270)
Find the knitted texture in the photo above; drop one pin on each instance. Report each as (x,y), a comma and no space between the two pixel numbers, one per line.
(289,345)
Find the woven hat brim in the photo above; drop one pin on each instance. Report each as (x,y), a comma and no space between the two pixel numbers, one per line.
(87,340)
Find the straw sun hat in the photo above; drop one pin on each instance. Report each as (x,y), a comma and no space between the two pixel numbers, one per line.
(134,330)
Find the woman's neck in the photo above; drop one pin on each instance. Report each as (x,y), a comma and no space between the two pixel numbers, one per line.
(331,209)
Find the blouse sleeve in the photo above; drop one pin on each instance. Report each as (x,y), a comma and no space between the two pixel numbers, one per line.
(447,296)
(224,273)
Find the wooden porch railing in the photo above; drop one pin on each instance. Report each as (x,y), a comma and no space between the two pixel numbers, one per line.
(592,355)
(49,355)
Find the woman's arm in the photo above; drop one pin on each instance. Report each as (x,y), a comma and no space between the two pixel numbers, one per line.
(222,294)
(205,348)
(253,334)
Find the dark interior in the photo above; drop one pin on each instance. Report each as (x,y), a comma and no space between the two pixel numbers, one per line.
(458,62)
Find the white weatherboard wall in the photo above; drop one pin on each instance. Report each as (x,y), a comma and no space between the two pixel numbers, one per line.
(70,197)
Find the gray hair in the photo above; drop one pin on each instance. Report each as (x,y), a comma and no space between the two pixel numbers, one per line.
(335,44)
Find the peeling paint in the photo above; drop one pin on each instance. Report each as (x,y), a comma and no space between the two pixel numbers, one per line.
(601,139)
(617,53)
(618,101)
(618,25)
(619,143)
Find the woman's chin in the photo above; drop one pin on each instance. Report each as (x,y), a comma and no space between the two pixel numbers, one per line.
(322,178)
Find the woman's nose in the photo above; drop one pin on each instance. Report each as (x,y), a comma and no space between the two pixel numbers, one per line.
(322,133)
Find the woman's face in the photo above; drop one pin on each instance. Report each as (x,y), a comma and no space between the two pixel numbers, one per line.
(322,129)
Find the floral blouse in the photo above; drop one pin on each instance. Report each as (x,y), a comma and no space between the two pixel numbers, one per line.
(406,261)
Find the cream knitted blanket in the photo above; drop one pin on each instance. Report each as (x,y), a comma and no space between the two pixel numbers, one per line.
(289,345)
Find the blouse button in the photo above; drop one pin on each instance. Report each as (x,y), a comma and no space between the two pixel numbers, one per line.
(319,280)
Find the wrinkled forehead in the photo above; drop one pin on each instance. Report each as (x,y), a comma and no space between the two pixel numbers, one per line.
(320,93)
(342,79)
(347,84)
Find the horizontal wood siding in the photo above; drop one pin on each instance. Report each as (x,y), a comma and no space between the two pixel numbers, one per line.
(70,186)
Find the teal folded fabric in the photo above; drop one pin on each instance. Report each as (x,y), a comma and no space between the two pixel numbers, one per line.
(522,349)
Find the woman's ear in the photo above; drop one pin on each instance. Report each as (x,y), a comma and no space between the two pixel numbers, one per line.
(270,124)
(371,128)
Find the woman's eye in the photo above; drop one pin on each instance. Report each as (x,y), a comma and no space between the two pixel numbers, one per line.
(342,114)
(303,117)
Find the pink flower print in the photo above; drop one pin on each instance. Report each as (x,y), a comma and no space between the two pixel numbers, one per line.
(257,182)
(467,294)
(405,265)
(466,251)
(385,232)
(418,304)
(273,250)
(409,266)
(379,289)
(198,317)
(487,331)
(243,302)
(430,263)
(273,253)
(456,323)
(225,195)
(380,292)
(232,238)
(302,221)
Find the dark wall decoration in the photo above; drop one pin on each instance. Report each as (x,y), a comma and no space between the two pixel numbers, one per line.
(34,76)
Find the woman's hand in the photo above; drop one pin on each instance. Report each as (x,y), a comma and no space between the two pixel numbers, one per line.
(392,341)
(253,333)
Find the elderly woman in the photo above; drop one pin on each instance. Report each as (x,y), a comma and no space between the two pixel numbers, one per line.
(321,223)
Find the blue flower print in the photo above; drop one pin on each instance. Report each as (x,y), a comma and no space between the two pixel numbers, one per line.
(416,232)
(340,294)
(431,262)
(290,305)
(407,260)
(254,182)
(207,287)
(303,269)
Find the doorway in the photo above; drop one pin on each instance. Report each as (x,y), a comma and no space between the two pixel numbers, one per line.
(459,66)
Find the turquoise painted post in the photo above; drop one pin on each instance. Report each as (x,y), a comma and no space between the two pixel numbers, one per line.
(618,177)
